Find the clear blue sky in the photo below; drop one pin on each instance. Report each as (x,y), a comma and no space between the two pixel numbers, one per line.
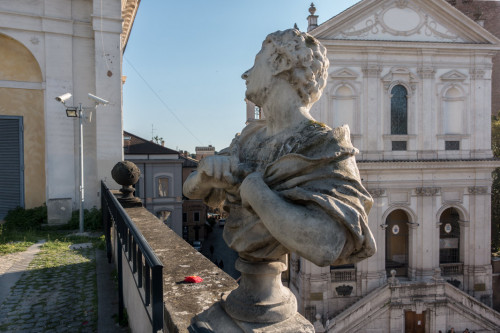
(184,61)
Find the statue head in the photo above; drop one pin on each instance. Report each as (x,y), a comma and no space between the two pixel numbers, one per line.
(291,55)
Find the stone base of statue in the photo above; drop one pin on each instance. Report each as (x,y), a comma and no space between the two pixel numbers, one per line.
(216,320)
(260,304)
(260,297)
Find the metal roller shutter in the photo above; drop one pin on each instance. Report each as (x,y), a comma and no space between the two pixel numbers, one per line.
(11,164)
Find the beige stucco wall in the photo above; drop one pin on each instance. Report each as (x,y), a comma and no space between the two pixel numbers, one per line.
(18,64)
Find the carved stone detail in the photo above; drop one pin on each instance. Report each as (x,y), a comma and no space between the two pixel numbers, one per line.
(372,71)
(427,191)
(478,190)
(345,74)
(401,3)
(477,74)
(344,290)
(400,75)
(376,192)
(426,24)
(426,72)
(453,75)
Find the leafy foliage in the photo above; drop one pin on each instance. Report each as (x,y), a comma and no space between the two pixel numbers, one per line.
(91,219)
(495,188)
(26,219)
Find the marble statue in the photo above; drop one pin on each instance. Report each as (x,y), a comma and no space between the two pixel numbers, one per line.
(288,182)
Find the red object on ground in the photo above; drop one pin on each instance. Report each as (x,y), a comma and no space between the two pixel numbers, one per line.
(193,279)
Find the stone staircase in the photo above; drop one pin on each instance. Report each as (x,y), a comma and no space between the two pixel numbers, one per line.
(405,296)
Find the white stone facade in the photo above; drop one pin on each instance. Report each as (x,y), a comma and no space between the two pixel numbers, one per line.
(436,170)
(78,46)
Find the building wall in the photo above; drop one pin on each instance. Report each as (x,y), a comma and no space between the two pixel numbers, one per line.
(20,69)
(486,12)
(76,45)
(147,189)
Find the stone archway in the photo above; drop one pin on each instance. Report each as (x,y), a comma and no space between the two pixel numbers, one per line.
(396,243)
(21,97)
(449,237)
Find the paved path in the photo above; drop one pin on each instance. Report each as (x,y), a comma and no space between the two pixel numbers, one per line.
(61,298)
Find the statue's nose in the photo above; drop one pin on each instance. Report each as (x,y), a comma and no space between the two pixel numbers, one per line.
(244,76)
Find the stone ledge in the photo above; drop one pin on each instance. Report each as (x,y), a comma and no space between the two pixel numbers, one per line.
(182,301)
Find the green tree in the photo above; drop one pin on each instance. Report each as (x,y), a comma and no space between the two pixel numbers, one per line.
(156,139)
(495,188)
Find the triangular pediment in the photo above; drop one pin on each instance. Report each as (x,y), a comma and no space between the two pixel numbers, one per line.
(404,21)
(344,73)
(453,75)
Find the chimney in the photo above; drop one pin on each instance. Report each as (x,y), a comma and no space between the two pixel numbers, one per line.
(312,20)
(162,143)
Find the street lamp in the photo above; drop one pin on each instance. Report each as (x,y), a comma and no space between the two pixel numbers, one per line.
(77,112)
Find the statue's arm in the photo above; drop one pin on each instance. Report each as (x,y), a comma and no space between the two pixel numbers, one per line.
(307,230)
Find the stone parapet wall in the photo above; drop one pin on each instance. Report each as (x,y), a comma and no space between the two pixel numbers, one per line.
(182,301)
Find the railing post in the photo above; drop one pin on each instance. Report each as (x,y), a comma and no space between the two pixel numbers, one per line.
(120,279)
(106,221)
(157,298)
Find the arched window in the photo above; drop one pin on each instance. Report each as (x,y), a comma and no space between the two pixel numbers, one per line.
(399,110)
(396,243)
(449,237)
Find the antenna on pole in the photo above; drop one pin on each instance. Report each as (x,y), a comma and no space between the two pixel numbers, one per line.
(152,131)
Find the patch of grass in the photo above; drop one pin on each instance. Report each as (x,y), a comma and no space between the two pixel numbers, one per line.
(12,247)
(12,241)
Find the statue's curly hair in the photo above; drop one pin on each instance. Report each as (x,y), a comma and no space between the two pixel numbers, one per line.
(300,59)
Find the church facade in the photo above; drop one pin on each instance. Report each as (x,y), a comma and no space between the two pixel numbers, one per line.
(412,79)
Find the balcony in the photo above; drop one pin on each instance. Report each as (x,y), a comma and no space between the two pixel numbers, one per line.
(451,269)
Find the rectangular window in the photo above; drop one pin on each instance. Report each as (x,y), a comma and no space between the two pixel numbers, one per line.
(196,216)
(398,145)
(452,145)
(184,217)
(163,187)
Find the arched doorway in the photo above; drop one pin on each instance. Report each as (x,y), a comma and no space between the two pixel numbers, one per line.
(449,237)
(396,243)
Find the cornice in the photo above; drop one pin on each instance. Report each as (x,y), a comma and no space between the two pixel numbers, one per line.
(129,11)
(465,48)
(420,164)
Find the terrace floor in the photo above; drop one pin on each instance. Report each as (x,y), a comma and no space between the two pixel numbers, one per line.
(58,286)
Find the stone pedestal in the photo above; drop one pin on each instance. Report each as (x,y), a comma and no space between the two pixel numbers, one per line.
(260,304)
(216,320)
(261,297)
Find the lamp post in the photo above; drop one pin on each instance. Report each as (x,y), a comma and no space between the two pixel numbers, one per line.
(77,112)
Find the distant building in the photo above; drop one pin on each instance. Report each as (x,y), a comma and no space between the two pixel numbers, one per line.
(194,211)
(49,48)
(160,184)
(412,79)
(254,112)
(202,152)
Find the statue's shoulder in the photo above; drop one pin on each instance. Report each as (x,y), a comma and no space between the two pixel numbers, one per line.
(321,138)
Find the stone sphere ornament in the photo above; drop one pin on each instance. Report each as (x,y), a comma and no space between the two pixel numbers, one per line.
(126,174)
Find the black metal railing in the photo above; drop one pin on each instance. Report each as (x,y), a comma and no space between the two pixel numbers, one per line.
(146,267)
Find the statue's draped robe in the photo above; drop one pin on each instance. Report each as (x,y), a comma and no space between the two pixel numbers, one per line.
(310,165)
